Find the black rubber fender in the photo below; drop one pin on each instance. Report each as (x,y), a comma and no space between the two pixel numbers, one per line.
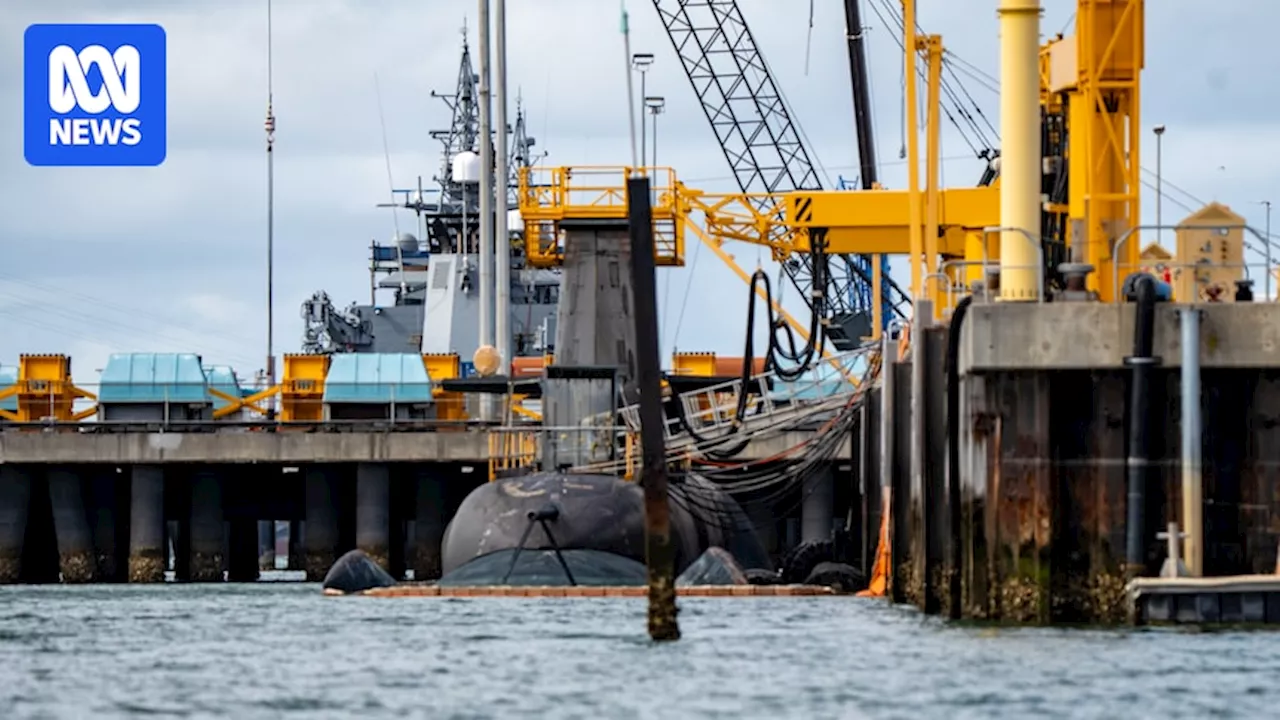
(356,572)
(803,558)
(758,576)
(840,576)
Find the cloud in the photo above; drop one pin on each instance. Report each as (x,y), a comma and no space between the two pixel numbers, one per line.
(173,257)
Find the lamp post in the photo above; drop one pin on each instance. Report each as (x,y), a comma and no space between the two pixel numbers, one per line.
(656,105)
(1159,131)
(641,62)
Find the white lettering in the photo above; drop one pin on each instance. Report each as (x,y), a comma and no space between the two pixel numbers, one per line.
(59,132)
(69,85)
(132,131)
(95,131)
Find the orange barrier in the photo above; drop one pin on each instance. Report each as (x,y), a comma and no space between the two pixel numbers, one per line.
(578,591)
(879,584)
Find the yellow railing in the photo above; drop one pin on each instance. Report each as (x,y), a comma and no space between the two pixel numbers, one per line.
(512,449)
(550,197)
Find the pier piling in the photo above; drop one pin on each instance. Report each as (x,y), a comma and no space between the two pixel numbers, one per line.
(431,516)
(15,501)
(373,511)
(107,517)
(660,553)
(320,536)
(207,528)
(76,558)
(146,524)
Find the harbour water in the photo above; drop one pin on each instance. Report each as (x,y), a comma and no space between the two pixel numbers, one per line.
(275,650)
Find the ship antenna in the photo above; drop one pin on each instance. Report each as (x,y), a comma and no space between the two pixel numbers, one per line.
(631,98)
(391,187)
(270,127)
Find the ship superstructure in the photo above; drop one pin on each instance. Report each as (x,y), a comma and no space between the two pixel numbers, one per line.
(432,273)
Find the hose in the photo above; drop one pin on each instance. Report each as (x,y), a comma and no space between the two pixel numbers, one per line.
(953,447)
(803,357)
(1142,361)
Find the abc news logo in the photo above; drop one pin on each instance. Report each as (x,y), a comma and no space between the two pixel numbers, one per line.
(69,89)
(94,95)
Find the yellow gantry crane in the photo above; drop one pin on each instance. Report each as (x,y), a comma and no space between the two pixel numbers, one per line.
(1088,177)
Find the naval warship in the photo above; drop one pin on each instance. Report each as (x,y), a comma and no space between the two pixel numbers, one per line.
(431,275)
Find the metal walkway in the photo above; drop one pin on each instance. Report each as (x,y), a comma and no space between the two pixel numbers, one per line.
(772,402)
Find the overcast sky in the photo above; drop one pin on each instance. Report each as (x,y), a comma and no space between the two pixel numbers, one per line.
(96,260)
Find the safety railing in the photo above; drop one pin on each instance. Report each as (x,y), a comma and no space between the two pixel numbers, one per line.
(605,448)
(197,406)
(551,196)
(1267,265)
(769,398)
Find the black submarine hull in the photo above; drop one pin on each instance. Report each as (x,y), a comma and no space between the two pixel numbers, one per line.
(565,528)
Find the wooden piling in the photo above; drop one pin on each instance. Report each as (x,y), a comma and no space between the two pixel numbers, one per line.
(659,550)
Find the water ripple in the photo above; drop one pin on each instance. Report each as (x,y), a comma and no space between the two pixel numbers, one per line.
(286,651)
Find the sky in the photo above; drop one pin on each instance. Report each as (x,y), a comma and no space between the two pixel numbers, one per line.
(173,258)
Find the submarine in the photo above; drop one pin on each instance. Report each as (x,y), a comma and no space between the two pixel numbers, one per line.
(558,528)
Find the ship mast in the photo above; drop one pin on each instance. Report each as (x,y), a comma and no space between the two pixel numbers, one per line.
(270,126)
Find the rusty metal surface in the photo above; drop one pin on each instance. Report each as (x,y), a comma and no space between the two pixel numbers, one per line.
(901,503)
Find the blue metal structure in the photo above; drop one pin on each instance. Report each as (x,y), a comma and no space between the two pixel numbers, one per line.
(860,294)
(223,379)
(8,378)
(154,378)
(377,378)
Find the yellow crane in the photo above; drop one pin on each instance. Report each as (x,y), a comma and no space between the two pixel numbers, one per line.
(1088,83)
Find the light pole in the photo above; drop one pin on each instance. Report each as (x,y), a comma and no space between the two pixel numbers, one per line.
(1266,251)
(1159,131)
(641,62)
(656,105)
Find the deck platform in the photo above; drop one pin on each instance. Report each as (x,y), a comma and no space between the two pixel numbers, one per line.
(72,445)
(1230,600)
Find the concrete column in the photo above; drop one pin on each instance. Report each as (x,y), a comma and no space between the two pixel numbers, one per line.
(146,524)
(15,499)
(817,508)
(76,559)
(208,527)
(296,558)
(320,538)
(102,521)
(428,533)
(373,511)
(267,544)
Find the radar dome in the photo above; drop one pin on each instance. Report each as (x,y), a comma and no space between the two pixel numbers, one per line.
(515,221)
(407,242)
(466,167)
(486,360)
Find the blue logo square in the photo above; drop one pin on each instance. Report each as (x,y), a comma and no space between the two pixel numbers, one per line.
(94,95)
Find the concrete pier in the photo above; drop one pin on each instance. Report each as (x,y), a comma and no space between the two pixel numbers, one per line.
(207,528)
(1043,448)
(320,538)
(15,500)
(373,511)
(432,513)
(76,558)
(147,553)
